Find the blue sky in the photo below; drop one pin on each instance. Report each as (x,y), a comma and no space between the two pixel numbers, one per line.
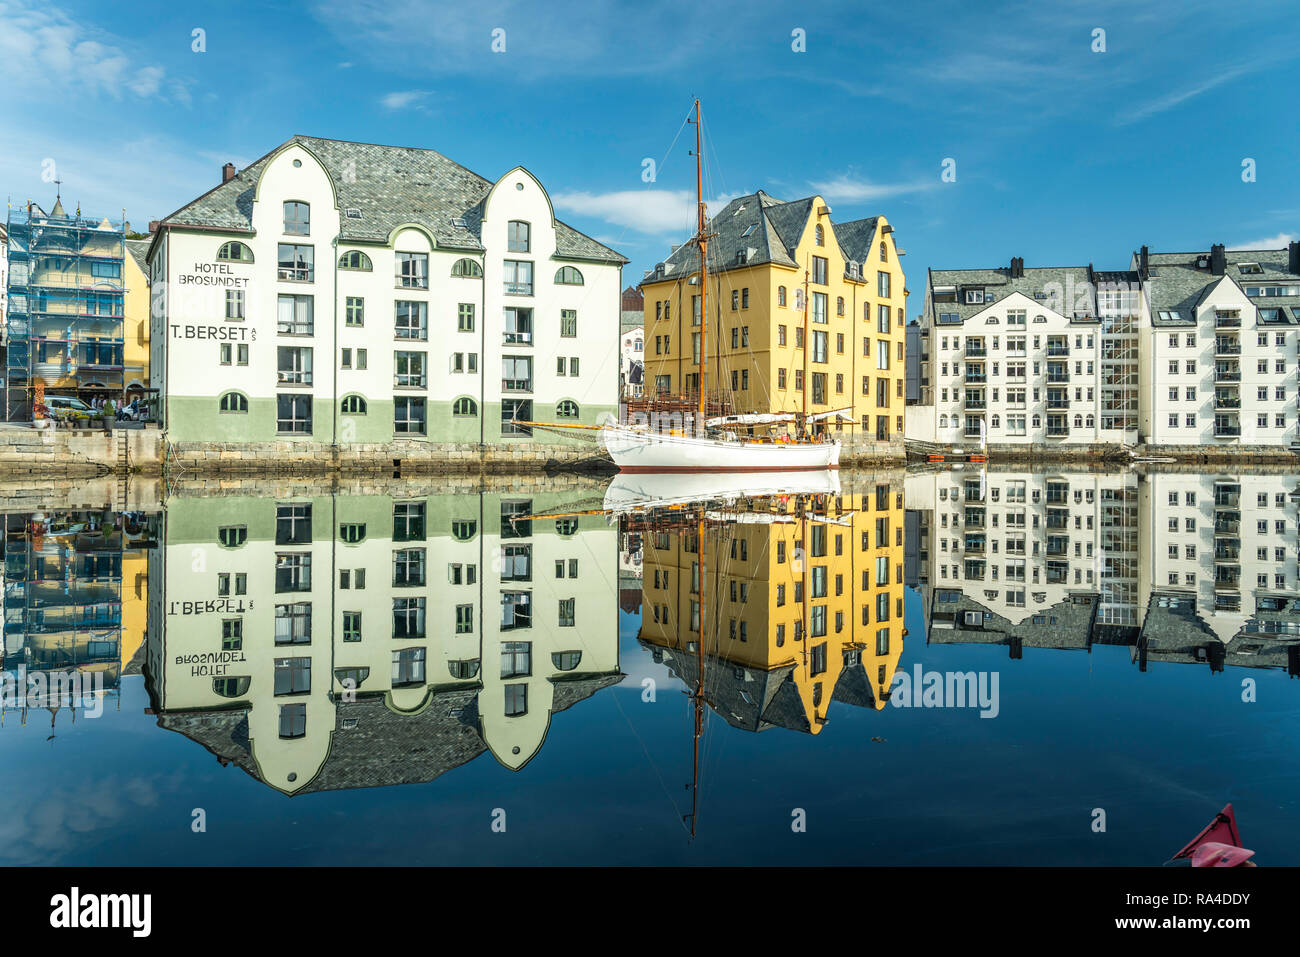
(1062,154)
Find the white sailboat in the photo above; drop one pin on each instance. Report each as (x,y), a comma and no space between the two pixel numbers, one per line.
(715,447)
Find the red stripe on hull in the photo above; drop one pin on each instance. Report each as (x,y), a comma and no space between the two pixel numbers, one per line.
(727,468)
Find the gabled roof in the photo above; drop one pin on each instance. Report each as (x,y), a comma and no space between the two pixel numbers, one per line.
(386,186)
(1050,281)
(1176,284)
(138,249)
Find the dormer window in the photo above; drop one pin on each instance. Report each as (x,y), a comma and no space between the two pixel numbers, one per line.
(742,256)
(297,218)
(1250,269)
(974,297)
(517,237)
(659,271)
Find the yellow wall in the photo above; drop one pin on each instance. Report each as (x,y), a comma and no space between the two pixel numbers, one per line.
(668,575)
(135,586)
(135,328)
(764,357)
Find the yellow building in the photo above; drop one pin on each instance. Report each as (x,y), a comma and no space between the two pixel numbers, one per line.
(805,316)
(135,326)
(802,604)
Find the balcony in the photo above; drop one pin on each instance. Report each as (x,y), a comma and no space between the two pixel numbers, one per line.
(976,378)
(1227,524)
(976,404)
(1057,430)
(1057,350)
(1058,574)
(1056,547)
(975,546)
(1058,402)
(975,351)
(1227,497)
(1227,431)
(1227,374)
(1227,550)
(1224,400)
(1058,518)
(974,518)
(1227,322)
(1227,577)
(516,385)
(1227,347)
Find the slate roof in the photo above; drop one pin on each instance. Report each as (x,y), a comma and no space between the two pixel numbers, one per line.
(1052,281)
(139,250)
(387,186)
(777,227)
(1175,284)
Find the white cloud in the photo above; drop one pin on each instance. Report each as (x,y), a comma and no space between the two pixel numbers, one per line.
(1171,100)
(402,99)
(657,212)
(852,189)
(1279,241)
(40,44)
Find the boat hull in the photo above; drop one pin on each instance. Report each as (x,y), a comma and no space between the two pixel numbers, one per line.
(634,450)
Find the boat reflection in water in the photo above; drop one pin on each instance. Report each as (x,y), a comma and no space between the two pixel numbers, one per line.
(1178,566)
(772,594)
(324,641)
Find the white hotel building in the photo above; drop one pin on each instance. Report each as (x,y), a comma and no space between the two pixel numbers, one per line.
(337,292)
(1182,349)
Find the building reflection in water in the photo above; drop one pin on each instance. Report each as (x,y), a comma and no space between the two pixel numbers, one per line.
(327,642)
(74,607)
(801,604)
(1178,566)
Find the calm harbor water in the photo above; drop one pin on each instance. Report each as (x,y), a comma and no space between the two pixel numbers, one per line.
(1062,667)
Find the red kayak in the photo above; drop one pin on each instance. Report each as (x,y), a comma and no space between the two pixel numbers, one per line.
(1218,845)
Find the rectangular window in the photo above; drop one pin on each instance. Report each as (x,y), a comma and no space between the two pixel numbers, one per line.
(517,238)
(518,278)
(819,270)
(465,317)
(293,624)
(411,320)
(518,326)
(294,315)
(409,415)
(234,304)
(293,414)
(516,373)
(882,284)
(410,370)
(408,667)
(293,365)
(296,263)
(412,270)
(408,617)
(355,311)
(569,323)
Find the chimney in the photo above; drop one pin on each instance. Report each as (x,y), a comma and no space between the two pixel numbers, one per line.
(1017,267)
(227,172)
(1144,263)
(1218,259)
(153,226)
(1293,258)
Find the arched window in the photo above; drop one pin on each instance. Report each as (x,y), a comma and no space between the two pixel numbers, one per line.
(350,533)
(463,529)
(518,239)
(566,660)
(231,687)
(234,402)
(356,676)
(820,235)
(468,268)
(866,311)
(353,405)
(568,276)
(884,253)
(996,422)
(235,252)
(297,218)
(566,526)
(1078,421)
(232,536)
(839,305)
(1038,421)
(943,422)
(1091,421)
(464,406)
(566,409)
(780,295)
(355,259)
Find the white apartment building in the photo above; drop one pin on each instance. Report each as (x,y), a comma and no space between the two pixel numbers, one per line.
(4,285)
(1219,363)
(1020,357)
(337,292)
(1178,564)
(317,628)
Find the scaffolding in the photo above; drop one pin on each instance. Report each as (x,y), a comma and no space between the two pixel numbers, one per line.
(66,305)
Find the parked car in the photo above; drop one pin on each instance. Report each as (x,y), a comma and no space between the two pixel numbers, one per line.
(67,408)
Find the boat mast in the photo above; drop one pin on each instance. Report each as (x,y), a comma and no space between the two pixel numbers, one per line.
(702,240)
(699,683)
